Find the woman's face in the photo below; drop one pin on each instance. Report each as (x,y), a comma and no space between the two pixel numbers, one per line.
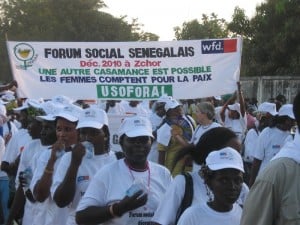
(226,185)
(136,149)
(93,135)
(200,116)
(48,133)
(34,129)
(233,114)
(66,132)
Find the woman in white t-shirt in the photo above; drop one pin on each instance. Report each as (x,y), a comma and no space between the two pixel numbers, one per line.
(271,140)
(77,167)
(214,139)
(127,191)
(205,113)
(223,176)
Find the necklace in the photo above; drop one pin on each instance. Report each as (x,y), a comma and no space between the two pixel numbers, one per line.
(147,168)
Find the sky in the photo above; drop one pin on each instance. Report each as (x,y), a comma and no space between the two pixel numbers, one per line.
(161,16)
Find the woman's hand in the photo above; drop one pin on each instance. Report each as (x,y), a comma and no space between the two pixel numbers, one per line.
(130,203)
(78,153)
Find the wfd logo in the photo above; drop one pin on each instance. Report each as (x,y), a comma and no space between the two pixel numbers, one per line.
(218,46)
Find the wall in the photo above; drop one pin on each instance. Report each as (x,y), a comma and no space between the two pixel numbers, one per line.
(266,87)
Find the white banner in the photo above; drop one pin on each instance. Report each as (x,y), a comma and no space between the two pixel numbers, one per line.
(126,70)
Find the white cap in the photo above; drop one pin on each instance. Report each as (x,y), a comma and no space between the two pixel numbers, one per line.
(3,102)
(225,158)
(136,126)
(218,97)
(51,109)
(286,110)
(235,107)
(70,112)
(8,96)
(267,107)
(164,98)
(171,104)
(92,117)
(35,103)
(63,100)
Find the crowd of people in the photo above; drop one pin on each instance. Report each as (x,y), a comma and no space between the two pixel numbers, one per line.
(218,160)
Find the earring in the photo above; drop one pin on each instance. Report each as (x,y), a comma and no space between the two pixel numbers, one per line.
(209,194)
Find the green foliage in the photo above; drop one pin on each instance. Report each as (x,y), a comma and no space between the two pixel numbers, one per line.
(62,20)
(275,44)
(209,27)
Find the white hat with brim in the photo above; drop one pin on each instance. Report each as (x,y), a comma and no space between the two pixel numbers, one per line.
(62,99)
(70,112)
(3,102)
(35,103)
(267,107)
(164,98)
(47,117)
(235,107)
(171,104)
(226,158)
(286,110)
(93,118)
(136,126)
(9,96)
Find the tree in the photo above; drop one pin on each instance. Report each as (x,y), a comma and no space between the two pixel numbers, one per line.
(63,20)
(275,46)
(209,27)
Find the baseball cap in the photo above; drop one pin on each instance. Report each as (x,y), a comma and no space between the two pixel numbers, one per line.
(225,158)
(136,126)
(51,109)
(164,98)
(286,110)
(267,107)
(35,103)
(8,96)
(235,107)
(92,117)
(70,112)
(171,104)
(62,99)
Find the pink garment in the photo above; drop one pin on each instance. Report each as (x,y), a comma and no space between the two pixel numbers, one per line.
(250,121)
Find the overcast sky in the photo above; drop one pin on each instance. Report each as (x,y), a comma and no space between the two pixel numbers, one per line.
(161,16)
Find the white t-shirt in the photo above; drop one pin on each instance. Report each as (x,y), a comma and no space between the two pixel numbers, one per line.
(250,145)
(202,214)
(269,142)
(16,145)
(155,121)
(138,110)
(31,151)
(108,187)
(87,169)
(13,128)
(169,204)
(199,131)
(2,151)
(42,211)
(238,126)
